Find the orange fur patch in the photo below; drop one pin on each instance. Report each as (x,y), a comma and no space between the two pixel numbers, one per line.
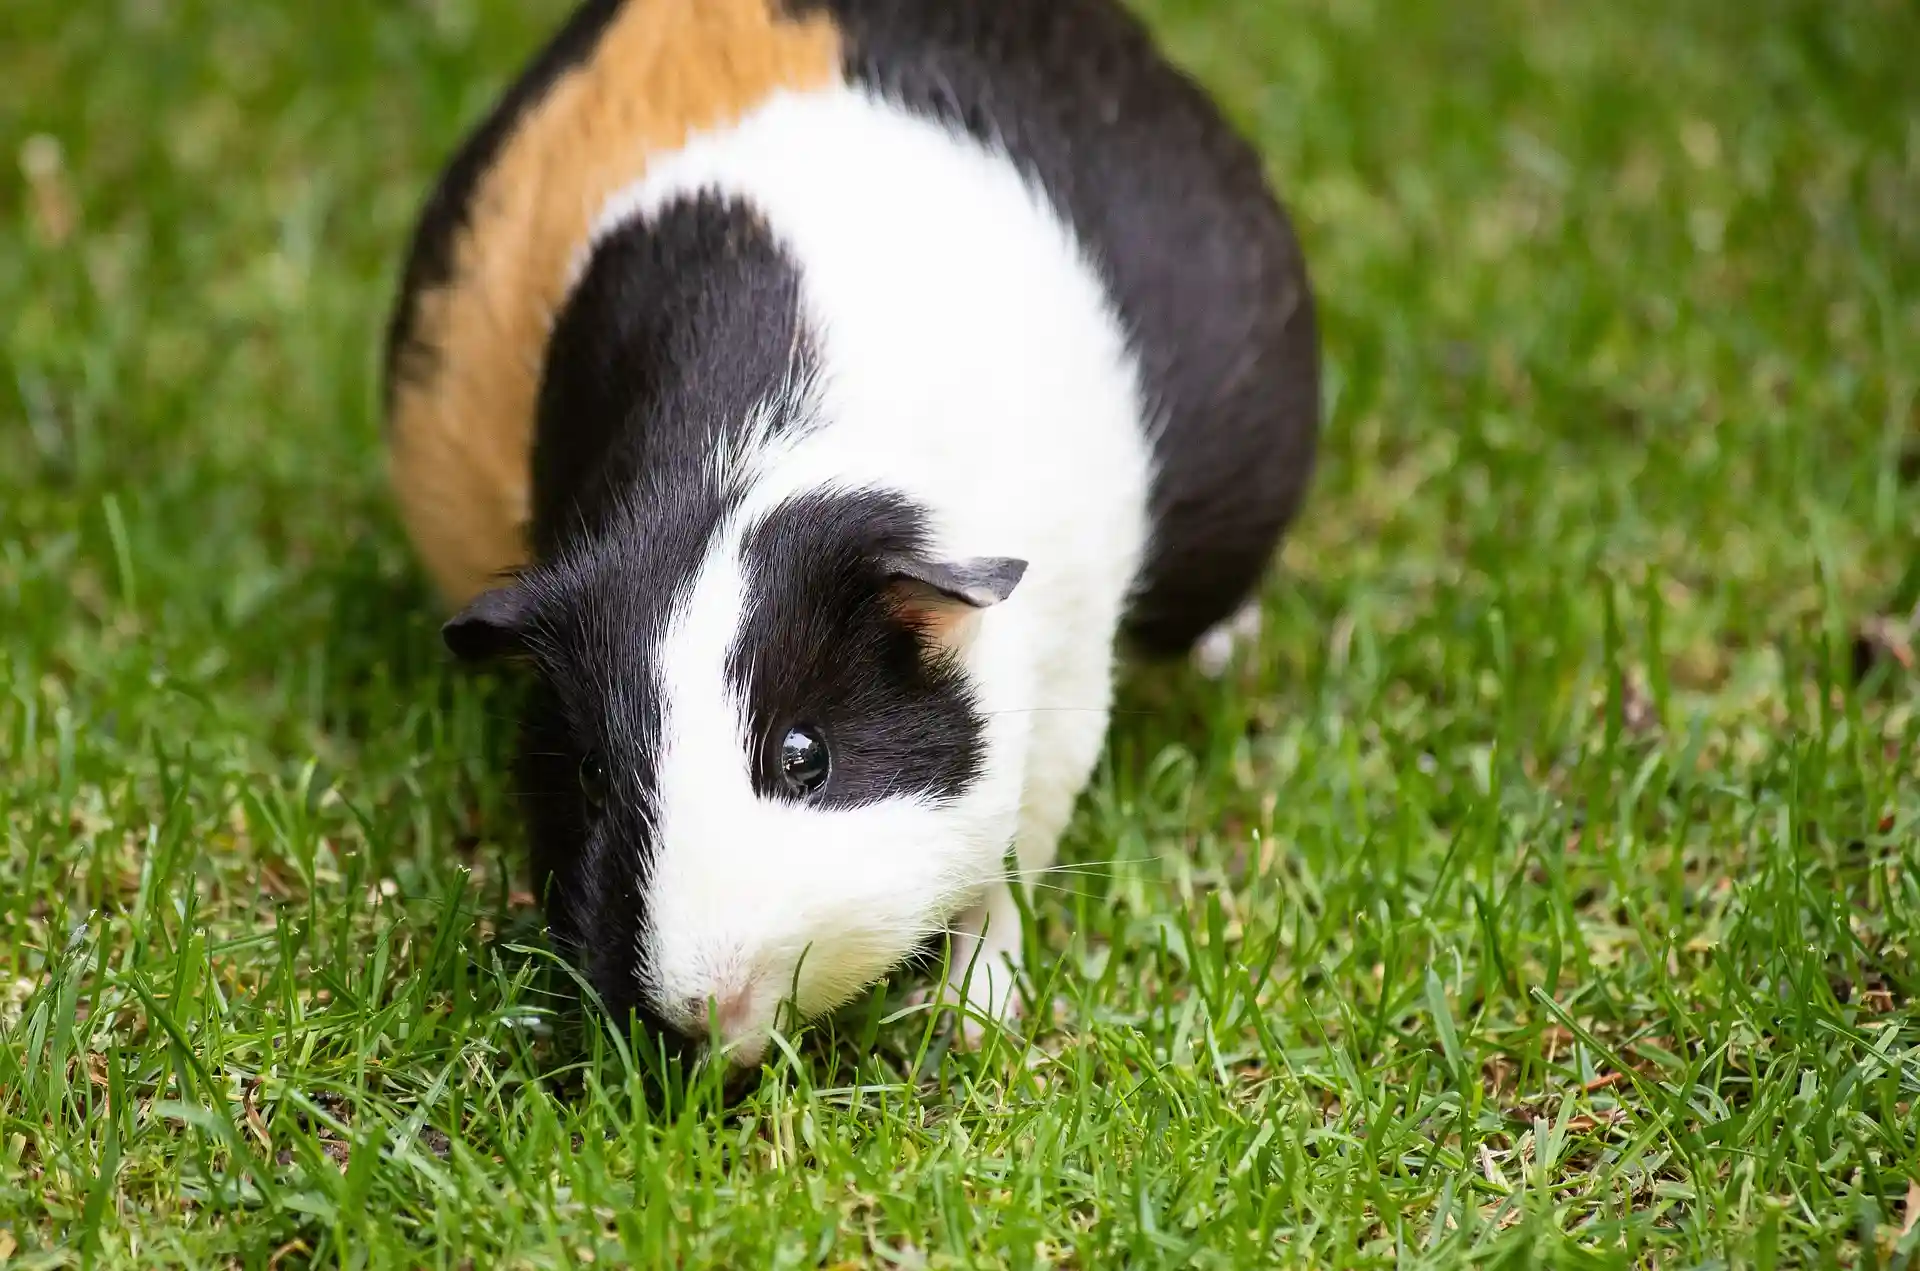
(462,434)
(944,625)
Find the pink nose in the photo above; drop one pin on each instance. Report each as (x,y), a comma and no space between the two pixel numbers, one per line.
(727,1011)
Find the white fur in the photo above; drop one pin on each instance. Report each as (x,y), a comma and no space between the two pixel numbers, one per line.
(973,361)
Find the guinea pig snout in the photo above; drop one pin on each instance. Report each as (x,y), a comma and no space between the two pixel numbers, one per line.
(720,1005)
(729,1009)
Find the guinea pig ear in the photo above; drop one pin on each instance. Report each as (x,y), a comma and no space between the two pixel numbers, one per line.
(493,625)
(939,596)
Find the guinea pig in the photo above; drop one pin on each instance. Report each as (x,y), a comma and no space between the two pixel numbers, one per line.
(816,398)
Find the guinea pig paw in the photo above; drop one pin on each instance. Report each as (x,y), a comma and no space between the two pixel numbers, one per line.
(1216,650)
(971,1035)
(987,997)
(990,997)
(971,1030)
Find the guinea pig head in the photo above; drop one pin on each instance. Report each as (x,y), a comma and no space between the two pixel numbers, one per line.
(755,768)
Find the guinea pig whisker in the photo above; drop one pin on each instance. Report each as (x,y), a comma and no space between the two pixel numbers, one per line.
(1089,869)
(1035,878)
(1053,887)
(1048,710)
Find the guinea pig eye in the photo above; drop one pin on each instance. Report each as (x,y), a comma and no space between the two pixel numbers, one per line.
(593,781)
(804,761)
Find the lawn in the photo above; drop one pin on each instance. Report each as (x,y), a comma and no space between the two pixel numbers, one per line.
(1546,888)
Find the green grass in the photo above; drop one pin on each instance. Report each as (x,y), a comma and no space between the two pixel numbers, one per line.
(1546,889)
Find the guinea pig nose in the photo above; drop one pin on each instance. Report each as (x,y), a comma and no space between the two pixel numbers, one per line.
(727,1010)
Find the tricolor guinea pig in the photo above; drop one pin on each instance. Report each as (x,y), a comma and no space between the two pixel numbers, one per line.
(817,397)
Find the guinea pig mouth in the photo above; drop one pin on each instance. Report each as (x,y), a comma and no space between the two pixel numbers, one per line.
(730,1020)
(747,1052)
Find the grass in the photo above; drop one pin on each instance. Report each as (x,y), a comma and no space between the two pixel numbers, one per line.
(1544,891)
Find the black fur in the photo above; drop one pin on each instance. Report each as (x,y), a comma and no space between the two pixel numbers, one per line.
(1196,251)
(825,644)
(680,329)
(429,262)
